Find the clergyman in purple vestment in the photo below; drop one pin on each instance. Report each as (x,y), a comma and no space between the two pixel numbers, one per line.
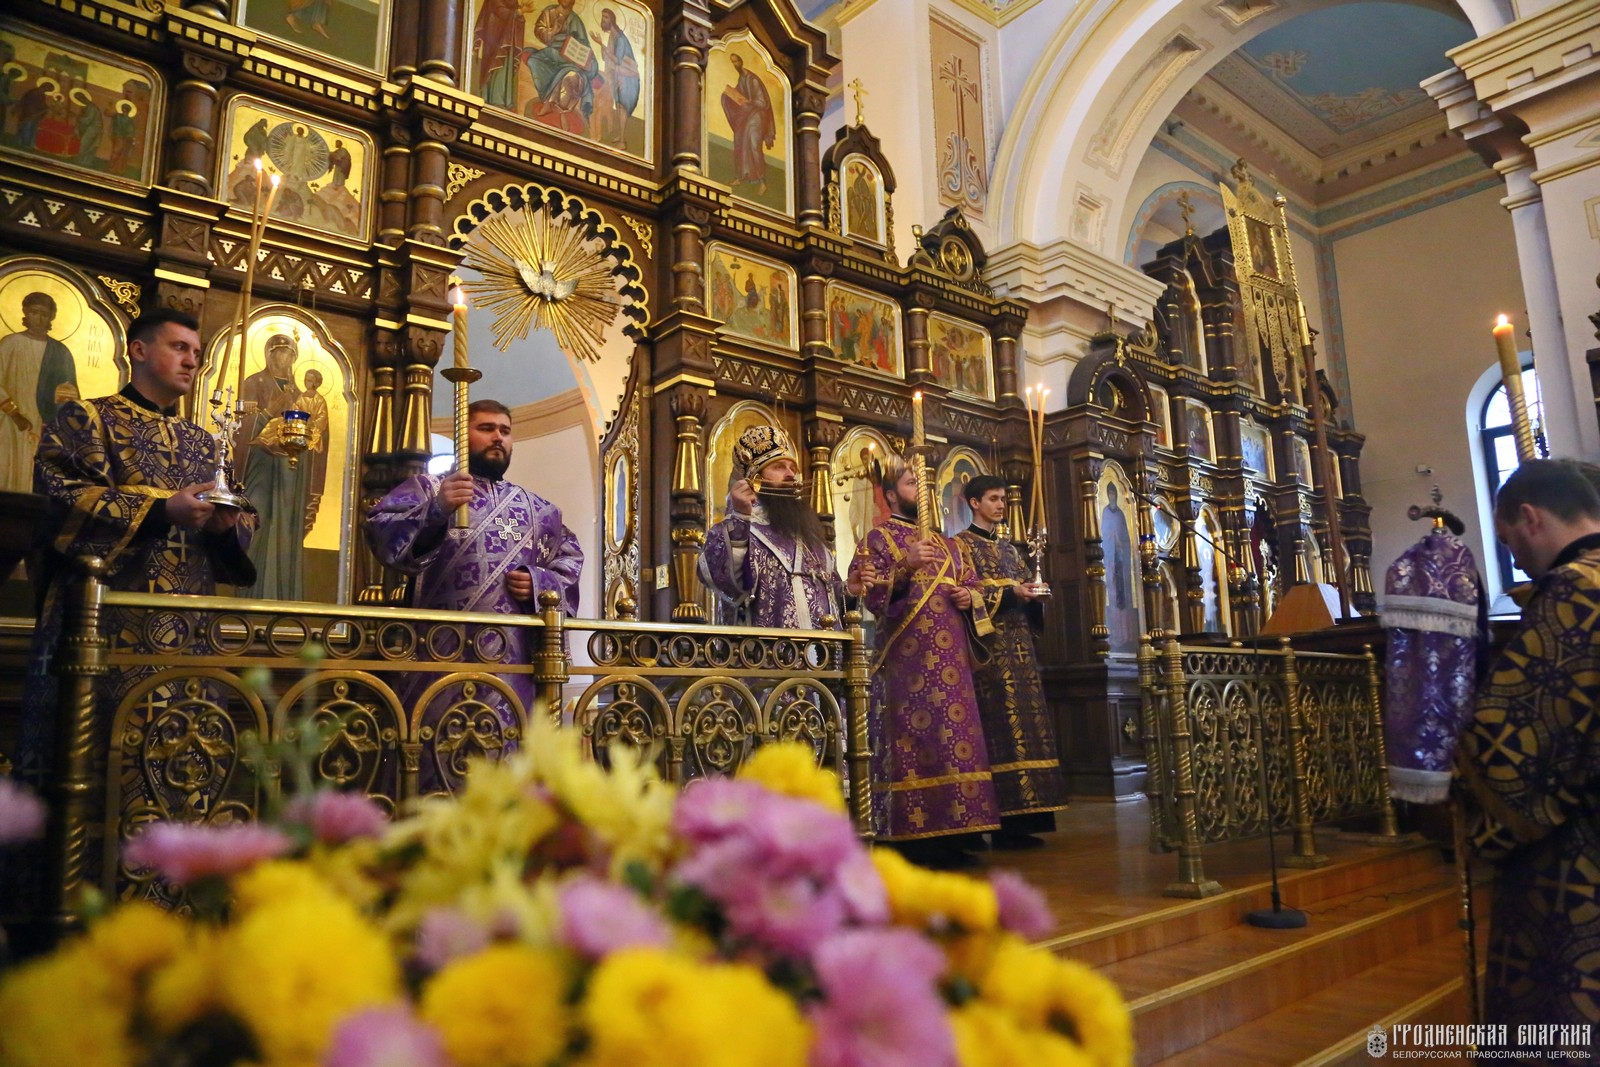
(931,776)
(514,548)
(770,559)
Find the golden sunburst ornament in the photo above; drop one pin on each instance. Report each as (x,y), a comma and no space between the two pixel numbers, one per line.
(539,270)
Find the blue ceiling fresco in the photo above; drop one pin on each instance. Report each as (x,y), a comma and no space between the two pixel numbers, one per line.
(1357,64)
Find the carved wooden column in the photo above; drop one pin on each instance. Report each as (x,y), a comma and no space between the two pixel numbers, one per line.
(1008,352)
(439,47)
(688,504)
(1194,593)
(413,448)
(919,371)
(1094,555)
(403,40)
(192,157)
(1144,480)
(813,310)
(809,101)
(430,171)
(374,582)
(689,32)
(822,437)
(689,221)
(394,196)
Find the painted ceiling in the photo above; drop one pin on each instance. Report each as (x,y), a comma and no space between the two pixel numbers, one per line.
(1337,77)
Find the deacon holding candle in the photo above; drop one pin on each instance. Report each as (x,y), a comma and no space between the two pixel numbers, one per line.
(934,789)
(513,548)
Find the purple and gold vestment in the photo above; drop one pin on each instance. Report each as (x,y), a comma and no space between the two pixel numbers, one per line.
(1434,613)
(931,767)
(784,582)
(1531,761)
(465,570)
(1016,720)
(107,468)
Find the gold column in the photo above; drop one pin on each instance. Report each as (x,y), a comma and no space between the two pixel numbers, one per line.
(1388,826)
(1305,843)
(551,668)
(1192,880)
(1095,554)
(76,815)
(1158,788)
(688,531)
(858,682)
(1194,593)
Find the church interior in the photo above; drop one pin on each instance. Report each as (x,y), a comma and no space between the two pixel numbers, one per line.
(1210,284)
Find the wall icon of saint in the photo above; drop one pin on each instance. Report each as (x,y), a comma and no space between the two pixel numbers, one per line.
(59,341)
(303,499)
(1116,540)
(747,125)
(578,66)
(863,201)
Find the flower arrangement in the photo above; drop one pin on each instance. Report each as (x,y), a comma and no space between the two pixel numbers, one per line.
(559,913)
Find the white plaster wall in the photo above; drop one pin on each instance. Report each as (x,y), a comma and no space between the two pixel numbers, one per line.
(886,46)
(563,468)
(1419,296)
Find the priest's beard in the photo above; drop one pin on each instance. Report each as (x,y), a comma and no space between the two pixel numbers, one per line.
(483,465)
(906,509)
(795,518)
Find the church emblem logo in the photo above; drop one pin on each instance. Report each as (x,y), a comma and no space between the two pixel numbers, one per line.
(1377,1042)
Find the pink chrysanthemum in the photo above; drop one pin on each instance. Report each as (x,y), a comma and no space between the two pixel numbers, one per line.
(599,918)
(882,1007)
(22,814)
(385,1037)
(1023,910)
(445,934)
(183,854)
(334,817)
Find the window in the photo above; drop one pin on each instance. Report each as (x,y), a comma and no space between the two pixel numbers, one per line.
(1498,441)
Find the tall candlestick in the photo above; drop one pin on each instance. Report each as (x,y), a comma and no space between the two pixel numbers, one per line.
(919,436)
(459,332)
(1305,326)
(1511,373)
(461,376)
(258,228)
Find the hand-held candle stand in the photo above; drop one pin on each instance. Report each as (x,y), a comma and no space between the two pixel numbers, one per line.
(228,426)
(461,376)
(1038,539)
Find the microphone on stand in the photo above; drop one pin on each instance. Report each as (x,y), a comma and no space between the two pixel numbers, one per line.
(1276,917)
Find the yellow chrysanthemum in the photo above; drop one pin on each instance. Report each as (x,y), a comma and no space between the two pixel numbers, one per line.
(935,899)
(497,819)
(135,937)
(501,1006)
(650,1006)
(65,1008)
(1044,991)
(277,882)
(185,988)
(1088,1006)
(345,867)
(986,1036)
(625,805)
(291,970)
(790,768)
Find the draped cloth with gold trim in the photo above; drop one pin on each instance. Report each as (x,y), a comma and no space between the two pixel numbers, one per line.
(107,467)
(1016,721)
(931,767)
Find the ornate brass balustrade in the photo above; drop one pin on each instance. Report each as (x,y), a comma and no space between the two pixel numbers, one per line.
(1239,738)
(163,697)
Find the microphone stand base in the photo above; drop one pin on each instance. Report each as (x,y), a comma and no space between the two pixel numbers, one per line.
(1276,918)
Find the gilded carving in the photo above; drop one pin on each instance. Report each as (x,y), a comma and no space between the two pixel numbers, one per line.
(460,176)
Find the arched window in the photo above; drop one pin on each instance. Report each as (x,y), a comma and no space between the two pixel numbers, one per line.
(1497,440)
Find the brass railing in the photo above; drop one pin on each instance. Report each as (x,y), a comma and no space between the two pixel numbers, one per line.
(164,698)
(1241,739)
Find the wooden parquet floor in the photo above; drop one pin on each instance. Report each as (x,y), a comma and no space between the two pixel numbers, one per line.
(1381,946)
